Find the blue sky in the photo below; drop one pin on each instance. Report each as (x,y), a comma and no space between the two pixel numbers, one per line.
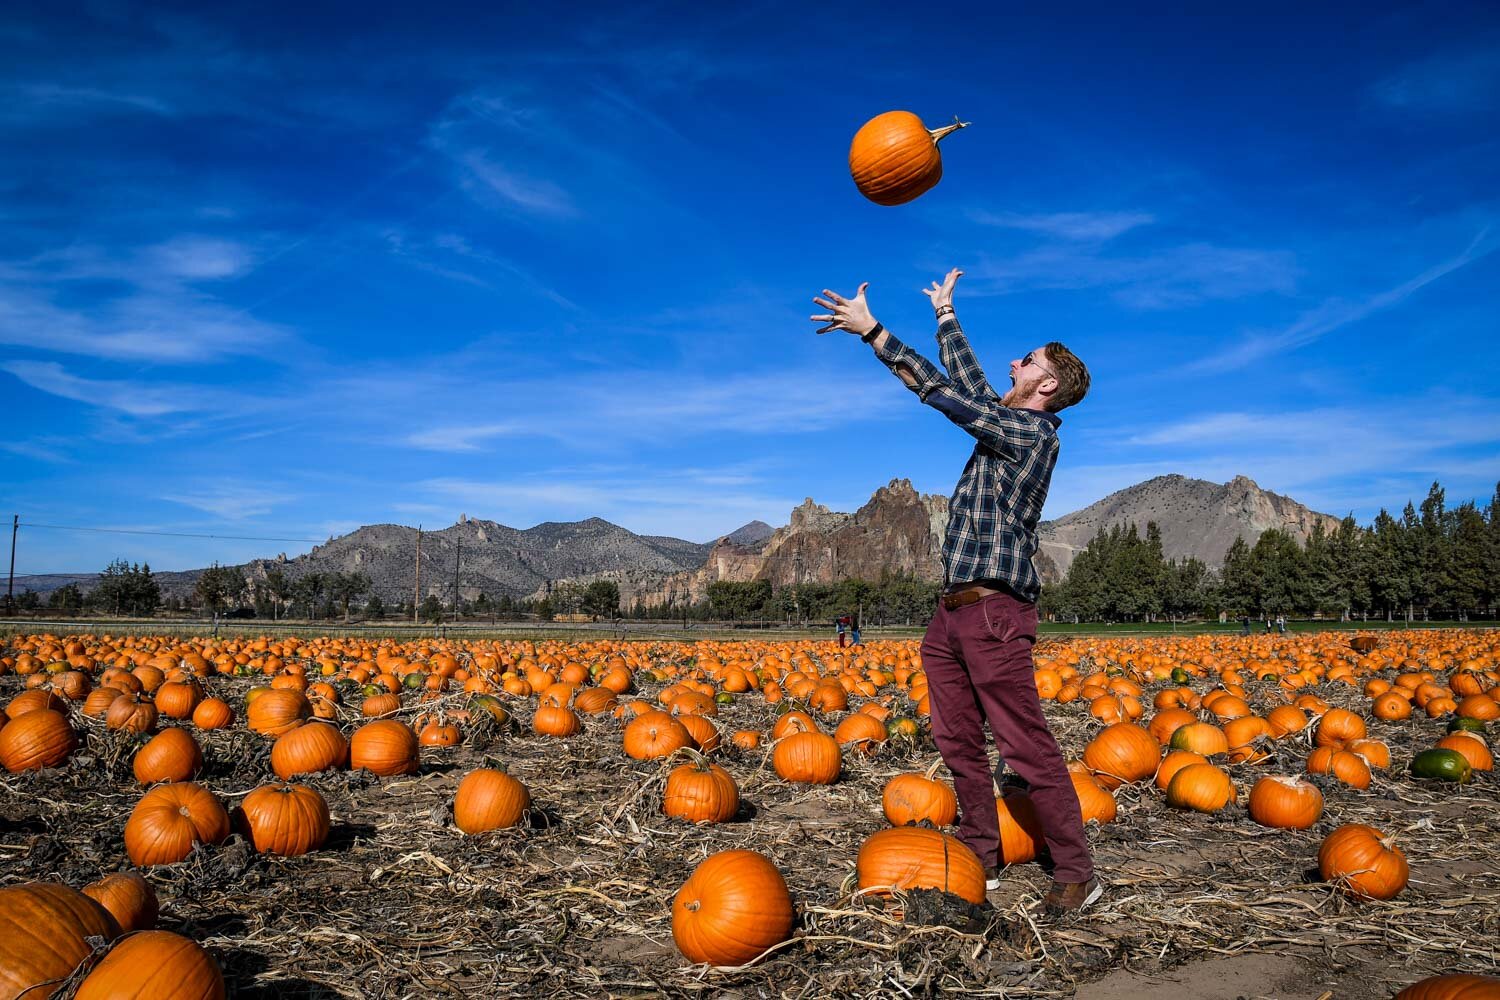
(285,273)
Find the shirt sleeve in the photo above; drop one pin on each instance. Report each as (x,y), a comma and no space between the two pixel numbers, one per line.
(958,357)
(997,427)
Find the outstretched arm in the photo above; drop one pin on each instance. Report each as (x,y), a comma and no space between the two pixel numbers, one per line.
(953,346)
(981,416)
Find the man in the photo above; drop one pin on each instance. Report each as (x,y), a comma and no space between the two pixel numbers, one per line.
(977,651)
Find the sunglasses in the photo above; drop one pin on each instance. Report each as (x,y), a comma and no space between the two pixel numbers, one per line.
(1030,359)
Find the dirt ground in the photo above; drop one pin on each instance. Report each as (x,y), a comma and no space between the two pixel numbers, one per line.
(399,904)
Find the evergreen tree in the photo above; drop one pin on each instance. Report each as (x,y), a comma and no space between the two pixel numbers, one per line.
(1387,566)
(375,607)
(601,598)
(280,589)
(432,609)
(1280,573)
(1470,587)
(217,588)
(67,599)
(1237,583)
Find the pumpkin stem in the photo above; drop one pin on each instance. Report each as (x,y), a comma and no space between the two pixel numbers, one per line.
(938,133)
(931,771)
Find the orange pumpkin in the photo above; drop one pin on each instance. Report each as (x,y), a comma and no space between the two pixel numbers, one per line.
(734,907)
(894,157)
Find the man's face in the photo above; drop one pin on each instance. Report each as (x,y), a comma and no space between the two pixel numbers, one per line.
(1028,373)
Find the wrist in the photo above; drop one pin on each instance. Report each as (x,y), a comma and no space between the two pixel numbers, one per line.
(942,311)
(869,335)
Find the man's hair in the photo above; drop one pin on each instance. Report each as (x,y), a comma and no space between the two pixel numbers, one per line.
(1072,377)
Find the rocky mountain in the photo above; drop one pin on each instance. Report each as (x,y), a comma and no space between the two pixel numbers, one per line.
(898,531)
(1197,518)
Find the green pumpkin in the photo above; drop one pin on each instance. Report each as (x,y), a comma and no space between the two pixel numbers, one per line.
(1466,724)
(1179,676)
(1448,765)
(724,698)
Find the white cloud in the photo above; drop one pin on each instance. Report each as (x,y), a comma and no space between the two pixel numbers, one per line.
(196,258)
(457,438)
(133,398)
(232,502)
(1336,313)
(1089,227)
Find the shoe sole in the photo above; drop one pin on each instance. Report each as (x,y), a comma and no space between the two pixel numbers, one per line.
(1089,900)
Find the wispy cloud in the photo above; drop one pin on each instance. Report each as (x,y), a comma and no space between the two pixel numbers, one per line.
(230,501)
(1090,227)
(1337,313)
(160,316)
(1164,278)
(58,96)
(42,451)
(1452,82)
(133,398)
(457,439)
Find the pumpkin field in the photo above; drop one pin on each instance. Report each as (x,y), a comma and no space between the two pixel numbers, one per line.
(1298,816)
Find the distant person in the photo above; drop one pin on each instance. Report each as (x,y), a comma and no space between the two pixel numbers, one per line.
(1281,624)
(854,633)
(838,631)
(1245,625)
(977,650)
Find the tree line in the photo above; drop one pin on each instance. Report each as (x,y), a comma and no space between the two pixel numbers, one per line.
(1432,559)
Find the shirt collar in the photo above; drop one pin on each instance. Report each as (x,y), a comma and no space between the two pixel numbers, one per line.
(1046,415)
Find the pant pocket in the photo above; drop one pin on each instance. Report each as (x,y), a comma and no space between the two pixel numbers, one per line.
(1006,619)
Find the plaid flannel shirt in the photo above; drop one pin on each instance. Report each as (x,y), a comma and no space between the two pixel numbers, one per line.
(993,514)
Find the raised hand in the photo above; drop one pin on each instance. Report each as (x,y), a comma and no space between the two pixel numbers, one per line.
(851,315)
(942,295)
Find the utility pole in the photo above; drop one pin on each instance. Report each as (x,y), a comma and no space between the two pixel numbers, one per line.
(10,587)
(416,597)
(456,556)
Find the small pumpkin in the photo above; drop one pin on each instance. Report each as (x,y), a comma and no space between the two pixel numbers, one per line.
(385,747)
(733,908)
(489,799)
(308,749)
(1337,727)
(128,897)
(213,713)
(1350,768)
(1095,802)
(701,792)
(1201,788)
(1121,754)
(170,755)
(913,798)
(1363,862)
(132,714)
(1285,803)
(655,734)
(701,728)
(862,732)
(894,157)
(36,740)
(288,820)
(169,819)
(811,758)
(277,710)
(556,720)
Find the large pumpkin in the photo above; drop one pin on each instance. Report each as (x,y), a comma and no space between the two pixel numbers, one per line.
(170,755)
(154,964)
(1200,787)
(128,897)
(308,749)
(489,799)
(288,820)
(276,711)
(894,157)
(655,734)
(1020,829)
(169,819)
(912,798)
(1453,986)
(35,740)
(386,748)
(732,908)
(813,758)
(701,792)
(914,857)
(1122,753)
(42,930)
(1285,803)
(1363,861)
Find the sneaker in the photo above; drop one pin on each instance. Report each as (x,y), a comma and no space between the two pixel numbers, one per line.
(991,879)
(1070,897)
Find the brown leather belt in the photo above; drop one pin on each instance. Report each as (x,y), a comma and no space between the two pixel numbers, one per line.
(968,595)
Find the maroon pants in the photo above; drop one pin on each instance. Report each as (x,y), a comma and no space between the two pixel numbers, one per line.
(978,664)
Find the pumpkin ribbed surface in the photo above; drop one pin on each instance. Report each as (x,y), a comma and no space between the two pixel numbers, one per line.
(42,930)
(732,908)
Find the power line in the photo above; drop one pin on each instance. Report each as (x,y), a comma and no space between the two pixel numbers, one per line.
(171,534)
